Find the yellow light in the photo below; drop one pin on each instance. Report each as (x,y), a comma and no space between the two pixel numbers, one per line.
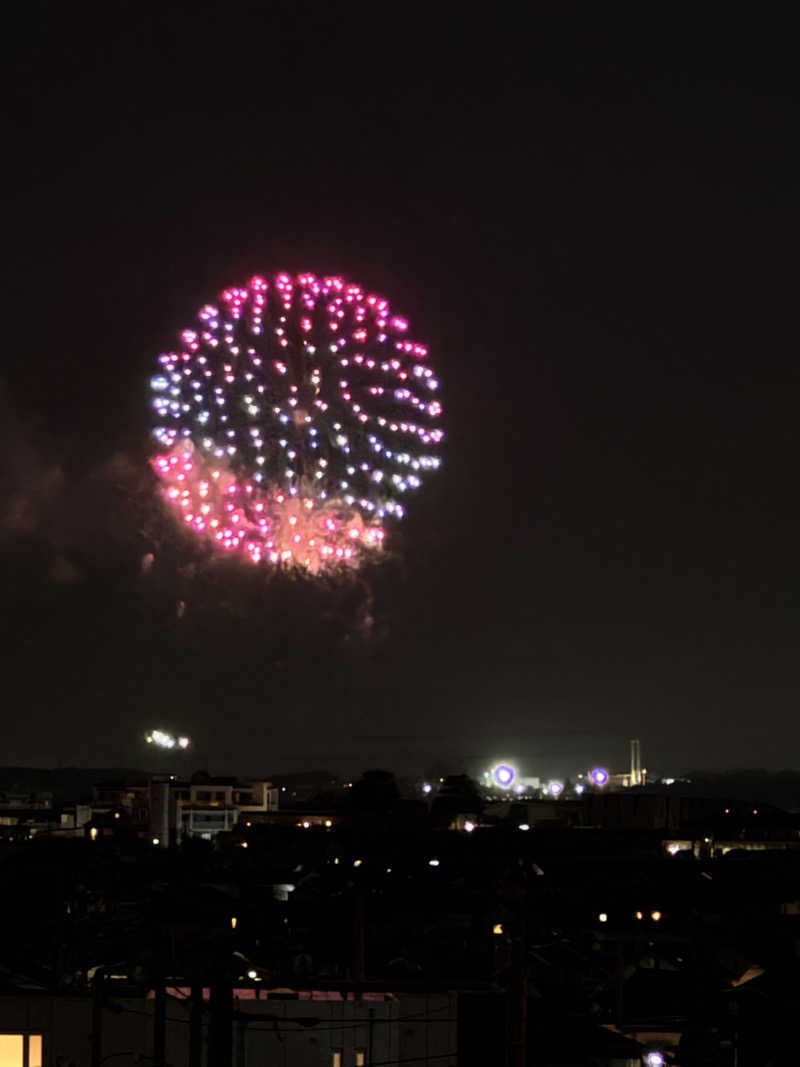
(655,916)
(602,917)
(328,822)
(156,840)
(234,922)
(93,833)
(244,844)
(639,915)
(357,863)
(497,928)
(116,814)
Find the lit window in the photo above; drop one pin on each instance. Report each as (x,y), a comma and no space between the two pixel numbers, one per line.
(361,1057)
(336,1058)
(34,1050)
(20,1050)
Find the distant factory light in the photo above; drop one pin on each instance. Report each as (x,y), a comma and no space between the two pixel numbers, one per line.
(469,826)
(579,788)
(357,863)
(655,916)
(497,929)
(433,863)
(252,974)
(427,787)
(504,775)
(655,1059)
(328,823)
(667,781)
(93,833)
(524,826)
(599,776)
(234,922)
(639,915)
(602,917)
(156,840)
(555,788)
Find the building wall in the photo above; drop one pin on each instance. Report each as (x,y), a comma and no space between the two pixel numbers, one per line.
(413,1029)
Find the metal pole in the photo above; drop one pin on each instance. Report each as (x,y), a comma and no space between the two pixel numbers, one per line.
(196,1028)
(98,996)
(160,1026)
(221,1035)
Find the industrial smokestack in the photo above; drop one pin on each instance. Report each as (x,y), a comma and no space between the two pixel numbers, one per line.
(636,762)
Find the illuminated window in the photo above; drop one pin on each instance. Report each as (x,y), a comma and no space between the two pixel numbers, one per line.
(361,1057)
(336,1058)
(20,1050)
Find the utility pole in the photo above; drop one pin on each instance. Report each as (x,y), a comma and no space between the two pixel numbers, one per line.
(220,1038)
(160,1026)
(98,996)
(518,990)
(196,1028)
(359,939)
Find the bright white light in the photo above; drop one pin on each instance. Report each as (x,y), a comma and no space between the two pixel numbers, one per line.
(504,775)
(156,840)
(579,788)
(524,826)
(602,917)
(554,788)
(599,776)
(655,1059)
(164,740)
(427,787)
(433,863)
(469,826)
(252,974)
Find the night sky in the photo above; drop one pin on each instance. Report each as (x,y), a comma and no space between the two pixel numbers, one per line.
(592,217)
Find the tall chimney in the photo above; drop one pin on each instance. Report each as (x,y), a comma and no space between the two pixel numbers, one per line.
(636,762)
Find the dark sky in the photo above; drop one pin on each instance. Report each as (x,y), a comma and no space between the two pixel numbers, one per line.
(592,215)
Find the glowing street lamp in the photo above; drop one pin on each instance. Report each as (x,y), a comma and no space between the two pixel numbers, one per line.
(504,775)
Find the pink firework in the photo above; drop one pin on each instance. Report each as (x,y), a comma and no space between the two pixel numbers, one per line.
(293,421)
